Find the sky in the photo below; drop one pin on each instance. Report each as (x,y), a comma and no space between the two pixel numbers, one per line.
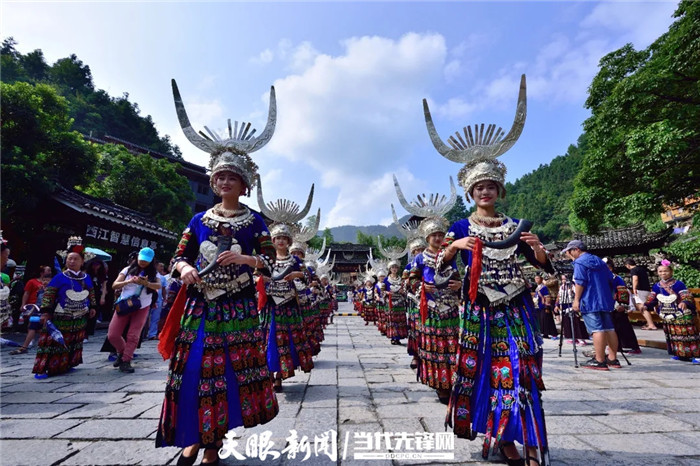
(349,78)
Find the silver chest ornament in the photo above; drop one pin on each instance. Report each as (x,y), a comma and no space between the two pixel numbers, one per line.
(211,287)
(501,279)
(75,303)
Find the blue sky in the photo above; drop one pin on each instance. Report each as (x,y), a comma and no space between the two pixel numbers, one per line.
(349,78)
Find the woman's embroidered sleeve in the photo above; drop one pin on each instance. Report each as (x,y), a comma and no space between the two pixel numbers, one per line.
(415,277)
(264,248)
(188,248)
(687,298)
(440,258)
(651,299)
(91,297)
(622,295)
(48,302)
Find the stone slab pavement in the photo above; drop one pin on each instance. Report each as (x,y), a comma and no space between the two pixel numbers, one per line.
(644,414)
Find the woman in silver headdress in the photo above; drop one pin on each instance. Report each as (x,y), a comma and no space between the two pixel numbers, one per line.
(438,325)
(498,386)
(287,349)
(310,316)
(396,326)
(414,245)
(380,293)
(218,377)
(368,298)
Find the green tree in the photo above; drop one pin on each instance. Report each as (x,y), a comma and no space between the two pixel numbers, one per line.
(367,240)
(458,211)
(39,147)
(644,130)
(94,112)
(387,242)
(10,62)
(72,75)
(35,66)
(327,235)
(142,183)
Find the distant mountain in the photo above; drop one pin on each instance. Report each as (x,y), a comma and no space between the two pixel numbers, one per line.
(348,233)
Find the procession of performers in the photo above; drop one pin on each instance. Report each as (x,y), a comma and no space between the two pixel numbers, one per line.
(255,302)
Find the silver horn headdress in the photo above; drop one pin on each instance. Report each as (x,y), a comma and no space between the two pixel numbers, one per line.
(393,254)
(324,267)
(313,255)
(305,234)
(432,208)
(284,213)
(379,266)
(411,230)
(232,153)
(480,148)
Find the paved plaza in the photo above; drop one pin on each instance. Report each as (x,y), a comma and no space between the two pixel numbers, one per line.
(644,414)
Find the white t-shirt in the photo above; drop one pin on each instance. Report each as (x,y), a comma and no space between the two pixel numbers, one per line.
(132,288)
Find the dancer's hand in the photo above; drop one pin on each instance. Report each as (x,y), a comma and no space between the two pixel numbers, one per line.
(454,285)
(468,243)
(532,239)
(293,275)
(189,275)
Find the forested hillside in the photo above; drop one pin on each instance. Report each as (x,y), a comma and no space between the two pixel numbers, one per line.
(543,195)
(93,110)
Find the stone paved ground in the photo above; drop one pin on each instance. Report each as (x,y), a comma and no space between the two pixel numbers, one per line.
(644,414)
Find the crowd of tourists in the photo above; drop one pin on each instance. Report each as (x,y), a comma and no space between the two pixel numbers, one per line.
(246,303)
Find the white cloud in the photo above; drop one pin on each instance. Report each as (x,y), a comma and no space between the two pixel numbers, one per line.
(297,58)
(303,56)
(564,68)
(264,57)
(470,45)
(453,70)
(638,22)
(352,116)
(454,109)
(367,199)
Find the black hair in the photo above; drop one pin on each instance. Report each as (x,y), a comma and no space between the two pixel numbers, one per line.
(149,271)
(101,272)
(40,270)
(630,261)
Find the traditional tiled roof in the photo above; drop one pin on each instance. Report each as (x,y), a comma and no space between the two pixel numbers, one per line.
(107,210)
(348,253)
(630,240)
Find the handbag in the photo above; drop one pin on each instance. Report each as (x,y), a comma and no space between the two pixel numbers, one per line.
(128,305)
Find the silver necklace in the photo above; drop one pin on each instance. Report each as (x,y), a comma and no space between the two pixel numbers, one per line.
(484,219)
(219,210)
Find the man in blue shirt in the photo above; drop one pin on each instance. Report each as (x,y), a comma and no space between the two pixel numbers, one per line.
(594,300)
